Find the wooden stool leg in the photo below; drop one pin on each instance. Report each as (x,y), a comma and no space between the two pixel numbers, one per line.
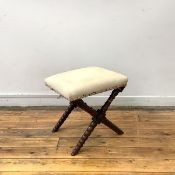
(84,137)
(63,117)
(98,117)
(116,129)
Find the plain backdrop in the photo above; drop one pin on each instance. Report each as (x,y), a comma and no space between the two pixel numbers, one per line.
(39,38)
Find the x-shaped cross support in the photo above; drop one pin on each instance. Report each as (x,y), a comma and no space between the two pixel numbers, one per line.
(98,116)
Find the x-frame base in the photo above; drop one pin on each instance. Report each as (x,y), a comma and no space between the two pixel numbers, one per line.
(98,116)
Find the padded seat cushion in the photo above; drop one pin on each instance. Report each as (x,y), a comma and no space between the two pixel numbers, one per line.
(79,83)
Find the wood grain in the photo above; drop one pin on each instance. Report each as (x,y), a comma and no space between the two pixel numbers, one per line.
(27,145)
(136,165)
(89,152)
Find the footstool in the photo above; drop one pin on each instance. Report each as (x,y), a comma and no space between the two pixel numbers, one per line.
(79,83)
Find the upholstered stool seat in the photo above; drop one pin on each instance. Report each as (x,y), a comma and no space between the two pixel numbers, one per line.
(76,84)
(83,82)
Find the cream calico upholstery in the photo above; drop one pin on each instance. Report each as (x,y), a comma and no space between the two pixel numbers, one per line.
(79,83)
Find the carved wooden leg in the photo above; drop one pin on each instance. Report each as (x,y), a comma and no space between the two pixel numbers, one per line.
(108,123)
(63,117)
(84,137)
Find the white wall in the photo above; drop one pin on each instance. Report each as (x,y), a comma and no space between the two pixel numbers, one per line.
(39,38)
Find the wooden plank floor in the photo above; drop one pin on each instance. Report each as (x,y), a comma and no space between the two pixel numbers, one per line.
(27,146)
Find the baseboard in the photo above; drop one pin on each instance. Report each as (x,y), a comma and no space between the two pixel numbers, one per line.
(55,100)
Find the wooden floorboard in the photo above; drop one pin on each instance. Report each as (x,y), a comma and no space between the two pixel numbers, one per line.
(85,164)
(153,153)
(72,124)
(28,147)
(83,173)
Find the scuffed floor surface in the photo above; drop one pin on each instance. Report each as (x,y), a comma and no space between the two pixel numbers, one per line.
(28,147)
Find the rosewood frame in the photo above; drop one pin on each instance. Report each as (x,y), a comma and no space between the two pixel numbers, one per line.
(98,116)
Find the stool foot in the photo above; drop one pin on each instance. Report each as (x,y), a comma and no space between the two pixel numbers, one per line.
(83,138)
(111,125)
(63,117)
